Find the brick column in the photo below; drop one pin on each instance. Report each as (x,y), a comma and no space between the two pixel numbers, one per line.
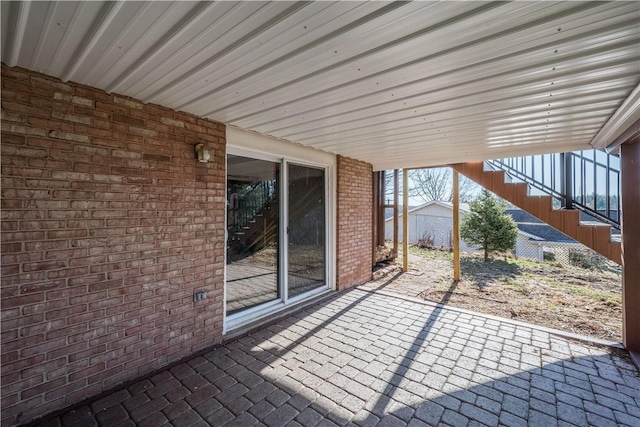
(355,219)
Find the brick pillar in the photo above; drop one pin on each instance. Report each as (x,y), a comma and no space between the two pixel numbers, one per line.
(355,219)
(630,188)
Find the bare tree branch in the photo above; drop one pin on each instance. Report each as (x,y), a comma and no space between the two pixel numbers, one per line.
(431,184)
(437,184)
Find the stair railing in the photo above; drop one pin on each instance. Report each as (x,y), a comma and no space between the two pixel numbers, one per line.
(246,205)
(588,180)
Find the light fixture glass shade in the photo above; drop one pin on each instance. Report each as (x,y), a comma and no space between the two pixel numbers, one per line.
(205,153)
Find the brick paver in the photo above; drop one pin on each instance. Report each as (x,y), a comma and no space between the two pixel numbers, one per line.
(368,359)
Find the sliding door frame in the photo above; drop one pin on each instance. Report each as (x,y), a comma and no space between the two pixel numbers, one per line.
(266,309)
(327,233)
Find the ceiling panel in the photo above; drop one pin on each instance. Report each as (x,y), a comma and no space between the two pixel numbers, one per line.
(397,84)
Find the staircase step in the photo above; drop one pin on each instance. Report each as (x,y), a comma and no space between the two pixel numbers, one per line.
(566,221)
(539,206)
(520,193)
(585,235)
(602,239)
(497,179)
(506,192)
(596,236)
(545,206)
(472,170)
(615,252)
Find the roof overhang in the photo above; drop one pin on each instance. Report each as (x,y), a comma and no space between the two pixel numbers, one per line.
(400,84)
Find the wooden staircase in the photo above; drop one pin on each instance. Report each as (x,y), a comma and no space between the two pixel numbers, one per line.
(567,221)
(262,230)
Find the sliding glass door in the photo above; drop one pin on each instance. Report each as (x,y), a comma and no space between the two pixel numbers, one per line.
(276,233)
(252,232)
(306,237)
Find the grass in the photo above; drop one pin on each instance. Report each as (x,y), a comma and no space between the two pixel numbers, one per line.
(516,285)
(547,293)
(519,274)
(582,291)
(429,253)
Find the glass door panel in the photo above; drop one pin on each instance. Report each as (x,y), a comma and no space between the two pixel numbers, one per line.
(306,233)
(252,232)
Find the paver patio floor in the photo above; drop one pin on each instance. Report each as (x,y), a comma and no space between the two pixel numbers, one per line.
(367,359)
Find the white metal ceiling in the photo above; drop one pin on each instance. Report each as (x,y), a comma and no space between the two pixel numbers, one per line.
(395,84)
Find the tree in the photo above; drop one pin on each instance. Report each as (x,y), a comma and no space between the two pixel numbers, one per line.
(431,184)
(487,225)
(437,184)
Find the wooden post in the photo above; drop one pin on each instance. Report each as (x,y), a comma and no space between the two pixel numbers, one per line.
(395,211)
(629,184)
(374,219)
(456,228)
(405,220)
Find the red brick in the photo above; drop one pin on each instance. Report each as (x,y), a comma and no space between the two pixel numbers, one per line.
(51,124)
(18,386)
(128,120)
(38,81)
(355,201)
(44,306)
(49,143)
(95,336)
(16,73)
(92,93)
(42,287)
(85,317)
(67,350)
(9,139)
(37,330)
(78,109)
(91,198)
(66,332)
(15,85)
(92,168)
(28,110)
(78,136)
(40,225)
(11,247)
(44,265)
(67,272)
(65,391)
(21,300)
(66,234)
(9,291)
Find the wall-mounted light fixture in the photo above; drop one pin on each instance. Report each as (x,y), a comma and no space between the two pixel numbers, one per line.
(205,153)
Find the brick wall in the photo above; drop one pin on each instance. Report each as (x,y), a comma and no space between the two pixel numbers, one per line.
(355,210)
(109,225)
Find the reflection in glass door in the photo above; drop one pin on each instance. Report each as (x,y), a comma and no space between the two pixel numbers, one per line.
(306,229)
(252,232)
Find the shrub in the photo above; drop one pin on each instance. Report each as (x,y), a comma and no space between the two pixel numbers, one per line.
(426,242)
(487,226)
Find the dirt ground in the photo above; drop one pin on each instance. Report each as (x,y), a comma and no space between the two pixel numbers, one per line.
(568,298)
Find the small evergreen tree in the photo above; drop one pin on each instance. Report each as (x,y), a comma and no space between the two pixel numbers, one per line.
(487,225)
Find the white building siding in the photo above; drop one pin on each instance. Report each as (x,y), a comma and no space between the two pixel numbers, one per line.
(434,222)
(527,248)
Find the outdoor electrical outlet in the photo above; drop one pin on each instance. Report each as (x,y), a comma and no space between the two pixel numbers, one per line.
(199,296)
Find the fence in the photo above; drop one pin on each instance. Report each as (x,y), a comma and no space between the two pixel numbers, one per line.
(436,232)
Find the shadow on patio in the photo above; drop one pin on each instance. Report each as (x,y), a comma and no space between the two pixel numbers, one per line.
(363,358)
